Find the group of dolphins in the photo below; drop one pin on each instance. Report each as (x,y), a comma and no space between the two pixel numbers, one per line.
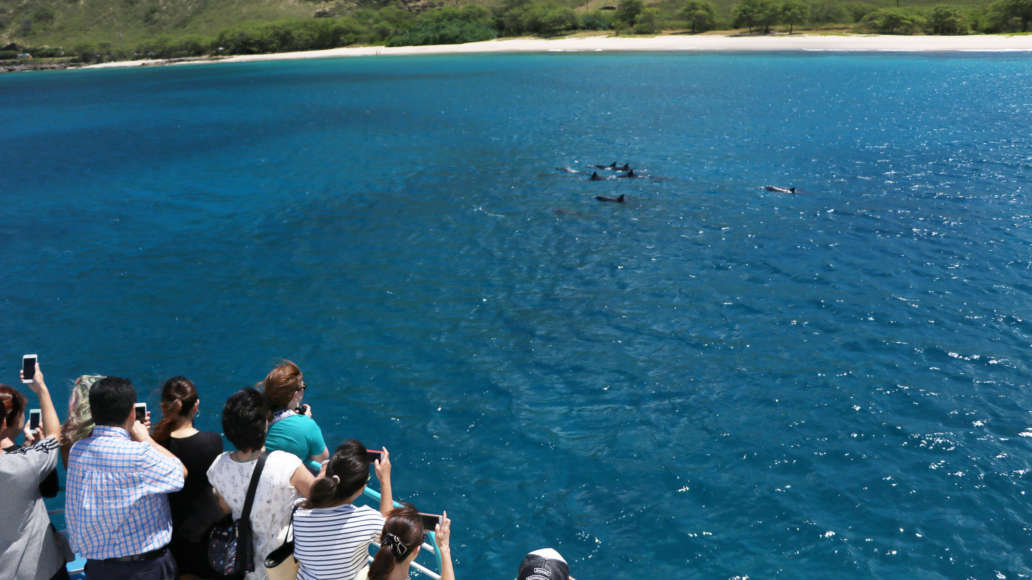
(612,167)
(629,173)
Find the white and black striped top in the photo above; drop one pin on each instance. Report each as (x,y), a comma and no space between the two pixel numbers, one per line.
(333,543)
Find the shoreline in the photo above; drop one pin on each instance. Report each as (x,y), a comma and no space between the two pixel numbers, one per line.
(664,43)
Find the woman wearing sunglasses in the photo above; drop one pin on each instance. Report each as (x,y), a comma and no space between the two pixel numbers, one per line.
(291,427)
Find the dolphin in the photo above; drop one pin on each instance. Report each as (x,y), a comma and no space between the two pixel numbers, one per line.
(612,199)
(779,189)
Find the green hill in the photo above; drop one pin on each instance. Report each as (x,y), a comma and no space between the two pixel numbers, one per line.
(124,23)
(116,29)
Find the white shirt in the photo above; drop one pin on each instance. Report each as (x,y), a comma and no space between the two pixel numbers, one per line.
(273,500)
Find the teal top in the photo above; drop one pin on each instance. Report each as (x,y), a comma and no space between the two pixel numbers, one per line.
(297,434)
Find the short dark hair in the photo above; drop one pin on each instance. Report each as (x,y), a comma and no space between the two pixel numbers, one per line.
(12,405)
(111,401)
(245,418)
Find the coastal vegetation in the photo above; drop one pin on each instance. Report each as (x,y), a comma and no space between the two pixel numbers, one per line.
(100,30)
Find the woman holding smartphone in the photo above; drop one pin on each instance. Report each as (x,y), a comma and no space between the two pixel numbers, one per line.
(331,534)
(195,508)
(400,542)
(292,428)
(29,545)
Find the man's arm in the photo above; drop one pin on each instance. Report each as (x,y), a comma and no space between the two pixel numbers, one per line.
(140,433)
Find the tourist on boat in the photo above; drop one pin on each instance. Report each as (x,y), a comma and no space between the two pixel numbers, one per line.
(79,424)
(331,535)
(283,479)
(400,542)
(116,503)
(292,428)
(195,508)
(30,548)
(544,564)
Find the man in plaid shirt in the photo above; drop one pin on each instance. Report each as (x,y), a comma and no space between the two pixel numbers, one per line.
(115,498)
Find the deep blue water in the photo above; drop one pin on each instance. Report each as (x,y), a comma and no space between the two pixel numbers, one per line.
(707,381)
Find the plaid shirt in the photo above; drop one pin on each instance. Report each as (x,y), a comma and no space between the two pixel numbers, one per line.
(115,502)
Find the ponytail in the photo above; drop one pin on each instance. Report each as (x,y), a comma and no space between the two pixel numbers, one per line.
(401,536)
(178,397)
(382,565)
(346,473)
(324,492)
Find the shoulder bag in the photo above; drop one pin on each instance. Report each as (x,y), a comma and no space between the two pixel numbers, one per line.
(231,543)
(280,564)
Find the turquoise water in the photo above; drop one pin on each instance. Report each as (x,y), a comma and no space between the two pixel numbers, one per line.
(707,381)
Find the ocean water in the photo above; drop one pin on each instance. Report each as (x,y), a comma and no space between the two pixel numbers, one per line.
(707,381)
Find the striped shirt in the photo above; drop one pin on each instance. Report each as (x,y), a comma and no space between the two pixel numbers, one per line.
(334,542)
(115,502)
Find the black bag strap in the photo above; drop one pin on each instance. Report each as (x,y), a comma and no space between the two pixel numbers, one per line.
(246,514)
(276,557)
(290,526)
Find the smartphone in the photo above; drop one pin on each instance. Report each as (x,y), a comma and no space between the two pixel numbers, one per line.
(35,419)
(28,365)
(141,412)
(430,521)
(373,455)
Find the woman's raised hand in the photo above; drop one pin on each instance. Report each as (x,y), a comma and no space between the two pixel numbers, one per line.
(383,466)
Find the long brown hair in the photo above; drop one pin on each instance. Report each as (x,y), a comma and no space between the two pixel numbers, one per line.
(402,534)
(280,384)
(178,397)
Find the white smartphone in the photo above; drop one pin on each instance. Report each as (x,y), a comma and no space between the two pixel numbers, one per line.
(28,365)
(35,419)
(141,412)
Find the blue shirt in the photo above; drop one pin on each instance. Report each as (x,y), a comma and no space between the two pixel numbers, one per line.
(115,502)
(297,434)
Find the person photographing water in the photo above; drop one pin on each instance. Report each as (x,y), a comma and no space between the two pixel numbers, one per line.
(331,534)
(195,509)
(401,540)
(29,545)
(292,428)
(115,498)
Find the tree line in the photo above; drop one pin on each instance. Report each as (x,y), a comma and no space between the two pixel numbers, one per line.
(390,22)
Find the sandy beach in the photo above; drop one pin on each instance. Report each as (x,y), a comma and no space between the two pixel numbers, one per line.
(665,43)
